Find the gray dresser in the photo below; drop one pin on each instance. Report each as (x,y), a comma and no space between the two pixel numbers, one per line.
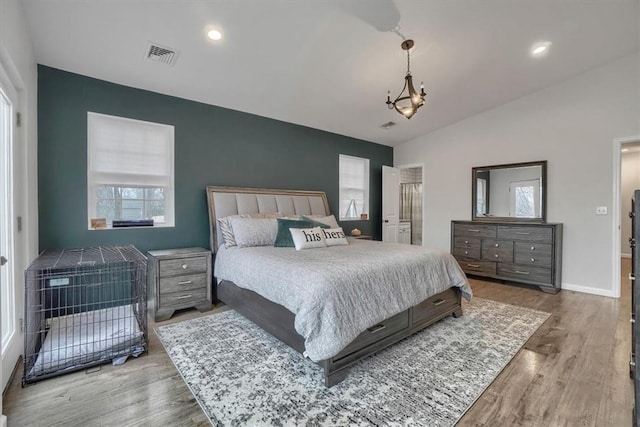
(179,278)
(527,253)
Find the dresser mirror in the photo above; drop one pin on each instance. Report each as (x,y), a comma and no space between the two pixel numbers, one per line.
(512,192)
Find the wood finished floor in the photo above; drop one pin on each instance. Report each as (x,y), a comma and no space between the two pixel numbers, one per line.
(574,371)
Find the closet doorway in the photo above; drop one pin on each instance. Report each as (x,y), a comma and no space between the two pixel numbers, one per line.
(411,204)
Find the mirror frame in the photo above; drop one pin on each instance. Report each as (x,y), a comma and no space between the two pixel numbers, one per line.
(543,189)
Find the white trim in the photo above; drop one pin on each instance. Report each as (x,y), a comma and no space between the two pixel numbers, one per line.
(616,252)
(3,421)
(625,255)
(593,291)
(424,199)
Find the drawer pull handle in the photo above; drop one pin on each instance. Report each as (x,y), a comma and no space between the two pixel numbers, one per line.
(526,273)
(523,233)
(473,230)
(438,302)
(186,282)
(497,245)
(632,320)
(533,248)
(466,252)
(473,266)
(184,266)
(632,363)
(184,296)
(497,256)
(533,260)
(376,328)
(466,242)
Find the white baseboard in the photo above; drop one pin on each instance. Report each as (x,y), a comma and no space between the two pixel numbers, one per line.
(625,255)
(3,421)
(588,290)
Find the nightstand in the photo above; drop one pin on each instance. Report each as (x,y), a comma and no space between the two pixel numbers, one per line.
(179,278)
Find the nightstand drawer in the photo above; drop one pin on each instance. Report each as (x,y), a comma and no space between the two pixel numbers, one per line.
(183,283)
(183,266)
(183,299)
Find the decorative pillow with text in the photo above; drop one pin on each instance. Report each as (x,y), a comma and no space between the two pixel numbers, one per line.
(307,238)
(334,236)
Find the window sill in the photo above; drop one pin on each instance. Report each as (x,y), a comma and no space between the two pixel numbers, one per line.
(352,219)
(135,227)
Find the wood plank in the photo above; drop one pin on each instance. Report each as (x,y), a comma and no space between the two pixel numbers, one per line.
(573,371)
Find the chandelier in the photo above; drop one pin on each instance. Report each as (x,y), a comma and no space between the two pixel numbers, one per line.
(408,101)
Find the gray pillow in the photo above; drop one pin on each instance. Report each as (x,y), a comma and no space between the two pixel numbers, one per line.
(254,232)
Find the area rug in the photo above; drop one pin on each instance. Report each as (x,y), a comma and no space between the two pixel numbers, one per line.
(241,375)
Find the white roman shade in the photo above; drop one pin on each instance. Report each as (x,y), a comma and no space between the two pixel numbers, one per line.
(354,186)
(129,153)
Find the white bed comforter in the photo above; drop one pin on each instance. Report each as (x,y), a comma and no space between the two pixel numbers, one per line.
(338,292)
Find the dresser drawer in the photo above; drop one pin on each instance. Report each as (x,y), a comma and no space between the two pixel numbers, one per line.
(467,242)
(538,254)
(474,230)
(525,273)
(383,329)
(497,250)
(183,283)
(472,267)
(441,303)
(466,253)
(182,299)
(183,266)
(529,234)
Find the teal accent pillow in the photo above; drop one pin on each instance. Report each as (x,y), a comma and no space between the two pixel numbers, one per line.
(322,222)
(284,239)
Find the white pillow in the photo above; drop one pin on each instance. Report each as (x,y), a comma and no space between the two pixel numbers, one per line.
(307,238)
(327,220)
(334,236)
(254,232)
(227,232)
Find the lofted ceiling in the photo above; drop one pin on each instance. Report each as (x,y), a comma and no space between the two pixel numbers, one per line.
(328,64)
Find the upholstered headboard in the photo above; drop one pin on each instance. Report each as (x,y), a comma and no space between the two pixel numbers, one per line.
(225,201)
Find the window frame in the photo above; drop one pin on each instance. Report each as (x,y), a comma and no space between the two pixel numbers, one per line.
(127,180)
(365,188)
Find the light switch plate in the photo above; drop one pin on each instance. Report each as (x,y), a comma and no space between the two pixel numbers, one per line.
(601,210)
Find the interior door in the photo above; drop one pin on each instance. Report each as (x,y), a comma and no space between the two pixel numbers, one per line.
(390,203)
(10,309)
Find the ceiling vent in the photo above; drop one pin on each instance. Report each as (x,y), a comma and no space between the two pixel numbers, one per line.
(162,54)
(388,125)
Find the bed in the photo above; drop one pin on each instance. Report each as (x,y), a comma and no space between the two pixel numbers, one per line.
(334,305)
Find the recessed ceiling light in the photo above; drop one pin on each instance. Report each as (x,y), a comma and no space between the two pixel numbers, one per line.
(540,49)
(214,34)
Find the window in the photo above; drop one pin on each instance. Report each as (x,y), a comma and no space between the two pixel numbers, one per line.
(130,170)
(525,199)
(481,197)
(354,187)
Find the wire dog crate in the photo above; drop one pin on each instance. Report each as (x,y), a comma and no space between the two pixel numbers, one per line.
(84,307)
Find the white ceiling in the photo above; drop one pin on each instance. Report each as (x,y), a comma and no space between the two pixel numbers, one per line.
(328,64)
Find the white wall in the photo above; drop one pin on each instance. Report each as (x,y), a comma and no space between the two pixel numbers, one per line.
(571,125)
(629,182)
(16,55)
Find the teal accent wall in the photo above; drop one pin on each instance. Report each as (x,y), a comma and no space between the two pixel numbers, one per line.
(213,146)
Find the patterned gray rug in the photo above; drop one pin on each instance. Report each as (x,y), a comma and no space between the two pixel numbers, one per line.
(241,375)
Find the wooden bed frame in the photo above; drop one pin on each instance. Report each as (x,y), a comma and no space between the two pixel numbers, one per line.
(279,321)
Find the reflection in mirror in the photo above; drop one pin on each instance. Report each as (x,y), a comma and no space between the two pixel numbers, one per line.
(514,192)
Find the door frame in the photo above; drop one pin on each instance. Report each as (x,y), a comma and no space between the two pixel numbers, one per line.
(616,253)
(424,192)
